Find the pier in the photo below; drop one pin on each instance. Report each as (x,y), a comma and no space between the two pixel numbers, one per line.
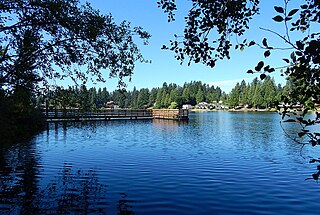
(60,115)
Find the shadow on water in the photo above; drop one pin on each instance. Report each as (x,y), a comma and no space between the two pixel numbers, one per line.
(71,191)
(19,166)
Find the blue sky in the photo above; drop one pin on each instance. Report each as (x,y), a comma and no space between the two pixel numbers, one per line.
(165,68)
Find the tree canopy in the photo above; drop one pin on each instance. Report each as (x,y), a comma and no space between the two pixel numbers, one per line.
(212,28)
(211,25)
(57,39)
(255,94)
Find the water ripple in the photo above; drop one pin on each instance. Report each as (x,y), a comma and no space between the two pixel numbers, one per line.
(218,163)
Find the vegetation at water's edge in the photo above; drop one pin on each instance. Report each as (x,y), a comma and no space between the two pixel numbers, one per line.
(19,118)
(257,93)
(22,116)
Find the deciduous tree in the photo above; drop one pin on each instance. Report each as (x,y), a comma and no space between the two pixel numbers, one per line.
(42,40)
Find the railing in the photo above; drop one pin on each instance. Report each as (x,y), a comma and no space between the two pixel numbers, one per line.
(106,114)
(178,114)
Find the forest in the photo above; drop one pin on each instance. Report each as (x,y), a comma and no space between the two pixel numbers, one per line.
(258,93)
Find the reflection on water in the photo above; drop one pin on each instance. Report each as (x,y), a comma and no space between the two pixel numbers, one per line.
(19,175)
(73,191)
(217,163)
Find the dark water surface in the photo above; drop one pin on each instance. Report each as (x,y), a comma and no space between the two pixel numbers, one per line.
(218,163)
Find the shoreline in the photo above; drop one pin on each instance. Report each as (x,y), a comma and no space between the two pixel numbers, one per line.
(233,110)
(248,110)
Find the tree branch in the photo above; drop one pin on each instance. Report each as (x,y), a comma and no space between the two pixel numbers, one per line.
(282,37)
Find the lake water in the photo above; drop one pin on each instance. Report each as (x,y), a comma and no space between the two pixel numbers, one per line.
(217,163)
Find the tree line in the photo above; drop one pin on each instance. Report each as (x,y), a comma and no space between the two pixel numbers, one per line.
(257,93)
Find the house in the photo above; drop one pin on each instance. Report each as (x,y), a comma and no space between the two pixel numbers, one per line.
(205,105)
(186,107)
(110,103)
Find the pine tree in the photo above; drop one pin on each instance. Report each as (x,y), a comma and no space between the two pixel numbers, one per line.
(258,97)
(269,89)
(143,98)
(186,95)
(234,96)
(159,98)
(200,96)
(152,97)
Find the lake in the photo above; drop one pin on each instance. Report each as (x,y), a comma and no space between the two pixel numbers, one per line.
(217,163)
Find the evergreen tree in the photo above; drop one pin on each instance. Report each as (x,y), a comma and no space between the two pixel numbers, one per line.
(173,96)
(258,95)
(165,99)
(143,98)
(252,90)
(93,98)
(234,96)
(200,96)
(84,98)
(134,98)
(270,91)
(99,98)
(186,95)
(105,96)
(159,98)
(152,97)
(244,97)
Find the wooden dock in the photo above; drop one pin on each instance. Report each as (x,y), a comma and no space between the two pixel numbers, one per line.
(175,114)
(60,115)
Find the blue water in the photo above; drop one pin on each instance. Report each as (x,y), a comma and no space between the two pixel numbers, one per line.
(217,163)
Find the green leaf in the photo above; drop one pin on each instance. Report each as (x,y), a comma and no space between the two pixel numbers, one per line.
(290,120)
(271,70)
(263,76)
(267,53)
(164,47)
(286,60)
(288,18)
(264,42)
(279,9)
(278,18)
(299,44)
(259,66)
(292,12)
(266,68)
(293,57)
(252,43)
(250,71)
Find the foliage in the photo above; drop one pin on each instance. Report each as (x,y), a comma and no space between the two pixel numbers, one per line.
(167,96)
(173,105)
(258,93)
(224,20)
(42,41)
(58,39)
(17,116)
(206,18)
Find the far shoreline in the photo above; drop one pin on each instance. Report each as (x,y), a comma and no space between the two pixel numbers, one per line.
(249,110)
(233,110)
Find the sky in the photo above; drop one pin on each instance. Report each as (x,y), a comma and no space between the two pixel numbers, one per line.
(165,68)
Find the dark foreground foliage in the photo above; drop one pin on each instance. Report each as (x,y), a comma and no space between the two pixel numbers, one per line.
(19,118)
